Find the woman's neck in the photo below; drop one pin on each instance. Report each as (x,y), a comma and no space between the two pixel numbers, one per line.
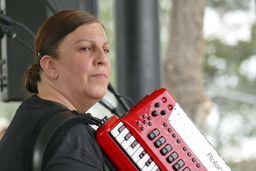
(48,92)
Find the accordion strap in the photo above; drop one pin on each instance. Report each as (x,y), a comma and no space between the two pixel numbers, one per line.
(46,141)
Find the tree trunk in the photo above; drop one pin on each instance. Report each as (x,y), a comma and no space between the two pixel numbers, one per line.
(184,59)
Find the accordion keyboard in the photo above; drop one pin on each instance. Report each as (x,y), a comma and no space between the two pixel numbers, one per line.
(156,135)
(133,149)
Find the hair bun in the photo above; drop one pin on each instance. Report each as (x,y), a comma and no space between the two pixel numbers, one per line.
(31,77)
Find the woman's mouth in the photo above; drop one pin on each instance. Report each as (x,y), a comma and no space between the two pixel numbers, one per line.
(100,75)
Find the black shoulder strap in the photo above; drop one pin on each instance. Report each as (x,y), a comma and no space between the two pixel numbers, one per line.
(49,134)
(33,136)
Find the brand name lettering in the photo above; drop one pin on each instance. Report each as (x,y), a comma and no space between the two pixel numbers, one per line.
(214,161)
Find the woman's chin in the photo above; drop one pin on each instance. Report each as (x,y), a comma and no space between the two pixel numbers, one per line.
(99,94)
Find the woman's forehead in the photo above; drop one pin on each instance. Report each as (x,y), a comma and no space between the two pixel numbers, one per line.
(88,33)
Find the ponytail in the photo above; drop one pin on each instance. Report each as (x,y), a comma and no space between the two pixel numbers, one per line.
(31,77)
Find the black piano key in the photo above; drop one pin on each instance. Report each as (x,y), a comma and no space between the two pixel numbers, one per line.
(127,136)
(134,144)
(121,128)
(149,162)
(142,154)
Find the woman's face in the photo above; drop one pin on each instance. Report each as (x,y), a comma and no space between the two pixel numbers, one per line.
(83,66)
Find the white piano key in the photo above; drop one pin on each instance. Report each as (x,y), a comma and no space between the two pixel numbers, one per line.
(126,143)
(134,152)
(149,167)
(131,150)
(155,168)
(120,137)
(142,162)
(135,156)
(115,131)
(152,165)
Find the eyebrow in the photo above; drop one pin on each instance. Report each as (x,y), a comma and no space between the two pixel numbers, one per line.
(91,41)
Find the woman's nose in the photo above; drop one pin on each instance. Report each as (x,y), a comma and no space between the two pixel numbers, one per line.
(101,58)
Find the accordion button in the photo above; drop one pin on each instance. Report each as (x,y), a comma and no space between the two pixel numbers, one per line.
(166,149)
(186,169)
(154,113)
(160,142)
(178,165)
(153,134)
(157,105)
(172,157)
(163,112)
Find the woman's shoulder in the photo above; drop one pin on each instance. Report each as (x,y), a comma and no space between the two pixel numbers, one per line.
(38,103)
(79,149)
(81,135)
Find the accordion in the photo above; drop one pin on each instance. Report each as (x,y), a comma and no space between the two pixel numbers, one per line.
(156,135)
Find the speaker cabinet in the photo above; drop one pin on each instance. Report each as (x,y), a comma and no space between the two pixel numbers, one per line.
(15,58)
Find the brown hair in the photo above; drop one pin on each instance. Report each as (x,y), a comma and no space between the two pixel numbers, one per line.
(49,37)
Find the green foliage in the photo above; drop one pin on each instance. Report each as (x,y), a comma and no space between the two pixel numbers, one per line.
(232,87)
(244,166)
(224,59)
(229,5)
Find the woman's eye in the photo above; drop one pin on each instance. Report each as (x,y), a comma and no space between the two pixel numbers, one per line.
(85,49)
(106,50)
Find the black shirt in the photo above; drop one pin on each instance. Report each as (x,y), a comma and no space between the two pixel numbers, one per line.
(77,149)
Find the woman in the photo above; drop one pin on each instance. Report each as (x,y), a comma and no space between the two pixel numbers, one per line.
(71,71)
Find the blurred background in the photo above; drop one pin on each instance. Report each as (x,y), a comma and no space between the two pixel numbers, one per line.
(204,52)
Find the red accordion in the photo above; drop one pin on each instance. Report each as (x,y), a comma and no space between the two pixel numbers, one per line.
(156,135)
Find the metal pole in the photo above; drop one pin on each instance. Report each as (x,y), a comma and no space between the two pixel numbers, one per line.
(137,47)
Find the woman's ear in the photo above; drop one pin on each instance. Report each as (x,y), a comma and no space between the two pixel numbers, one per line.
(48,65)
